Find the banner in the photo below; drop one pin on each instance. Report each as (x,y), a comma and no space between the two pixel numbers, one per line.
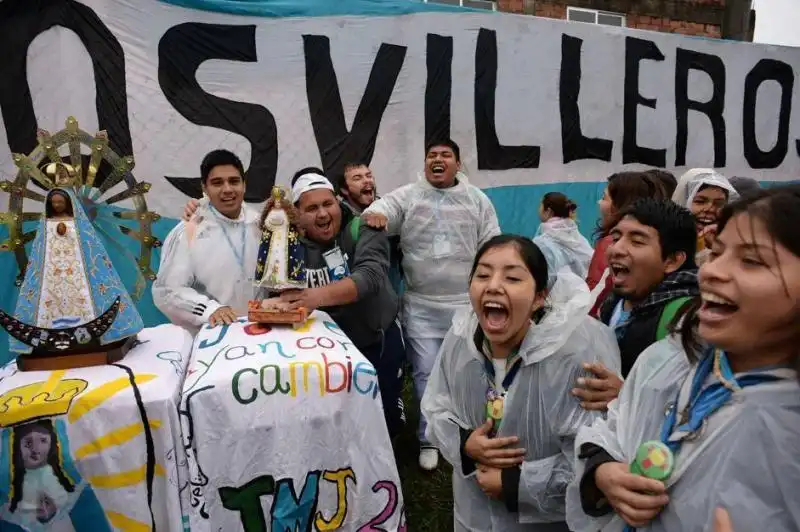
(96,448)
(284,430)
(536,104)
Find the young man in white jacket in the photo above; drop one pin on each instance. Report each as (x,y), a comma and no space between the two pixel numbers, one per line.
(208,263)
(442,220)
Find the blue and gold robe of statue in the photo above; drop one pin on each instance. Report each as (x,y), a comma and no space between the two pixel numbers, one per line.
(295,260)
(70,280)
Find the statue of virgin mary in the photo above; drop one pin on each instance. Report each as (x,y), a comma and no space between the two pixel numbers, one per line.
(70,281)
(281,255)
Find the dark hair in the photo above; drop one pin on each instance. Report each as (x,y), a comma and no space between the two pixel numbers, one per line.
(667,179)
(624,188)
(744,185)
(340,181)
(530,254)
(48,210)
(561,205)
(675,226)
(18,467)
(778,209)
(219,158)
(444,142)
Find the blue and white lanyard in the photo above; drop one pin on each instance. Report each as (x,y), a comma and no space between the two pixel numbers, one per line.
(704,402)
(240,253)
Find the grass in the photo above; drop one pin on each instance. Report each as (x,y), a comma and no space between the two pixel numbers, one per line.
(428,495)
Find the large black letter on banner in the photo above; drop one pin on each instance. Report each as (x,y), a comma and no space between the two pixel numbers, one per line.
(714,108)
(336,145)
(767,70)
(574,144)
(181,51)
(636,51)
(491,154)
(21,21)
(439,87)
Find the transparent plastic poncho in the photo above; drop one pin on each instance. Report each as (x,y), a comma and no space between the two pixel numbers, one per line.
(563,246)
(440,233)
(539,408)
(745,459)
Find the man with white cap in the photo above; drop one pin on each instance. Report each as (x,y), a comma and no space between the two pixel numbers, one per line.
(347,268)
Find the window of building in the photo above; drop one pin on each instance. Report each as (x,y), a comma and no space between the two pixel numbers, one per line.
(474,4)
(593,16)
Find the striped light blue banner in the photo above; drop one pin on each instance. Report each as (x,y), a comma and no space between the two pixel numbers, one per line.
(320,8)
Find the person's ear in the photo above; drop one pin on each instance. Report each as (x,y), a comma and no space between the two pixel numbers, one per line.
(674,262)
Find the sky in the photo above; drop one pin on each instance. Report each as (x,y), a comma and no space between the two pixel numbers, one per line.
(777,22)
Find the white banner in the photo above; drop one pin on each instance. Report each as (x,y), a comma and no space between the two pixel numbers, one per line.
(99,448)
(284,428)
(531,101)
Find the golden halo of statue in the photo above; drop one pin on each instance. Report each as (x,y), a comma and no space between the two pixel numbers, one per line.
(124,227)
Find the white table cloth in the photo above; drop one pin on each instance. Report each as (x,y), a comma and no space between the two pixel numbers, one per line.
(284,430)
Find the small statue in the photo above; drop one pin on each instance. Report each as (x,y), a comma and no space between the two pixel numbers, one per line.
(72,301)
(281,262)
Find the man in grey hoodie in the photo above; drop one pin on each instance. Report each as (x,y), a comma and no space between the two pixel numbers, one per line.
(347,267)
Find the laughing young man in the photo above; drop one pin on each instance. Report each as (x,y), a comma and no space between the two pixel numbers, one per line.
(441,220)
(207,264)
(654,273)
(357,190)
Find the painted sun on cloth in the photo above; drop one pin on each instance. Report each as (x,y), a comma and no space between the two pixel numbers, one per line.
(284,430)
(96,449)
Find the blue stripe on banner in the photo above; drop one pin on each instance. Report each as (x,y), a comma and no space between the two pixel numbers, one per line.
(319,8)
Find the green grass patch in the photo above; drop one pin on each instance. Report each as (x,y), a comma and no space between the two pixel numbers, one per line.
(428,496)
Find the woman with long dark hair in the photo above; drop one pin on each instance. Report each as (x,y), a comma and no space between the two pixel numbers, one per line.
(498,403)
(722,395)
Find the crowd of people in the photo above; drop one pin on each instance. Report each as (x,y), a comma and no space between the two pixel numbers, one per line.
(541,365)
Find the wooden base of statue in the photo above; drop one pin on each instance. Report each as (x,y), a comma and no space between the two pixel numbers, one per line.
(273,316)
(96,357)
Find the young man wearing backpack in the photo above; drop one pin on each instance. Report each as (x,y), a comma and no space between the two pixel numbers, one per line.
(652,264)
(347,267)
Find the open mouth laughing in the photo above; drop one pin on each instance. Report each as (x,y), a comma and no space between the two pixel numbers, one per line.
(619,271)
(715,307)
(438,168)
(495,316)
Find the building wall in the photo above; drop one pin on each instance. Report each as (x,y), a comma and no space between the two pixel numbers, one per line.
(703,18)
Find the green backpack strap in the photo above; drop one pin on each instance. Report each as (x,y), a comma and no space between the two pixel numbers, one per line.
(355,228)
(667,315)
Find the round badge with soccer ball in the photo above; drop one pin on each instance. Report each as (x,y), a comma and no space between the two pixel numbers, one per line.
(653,460)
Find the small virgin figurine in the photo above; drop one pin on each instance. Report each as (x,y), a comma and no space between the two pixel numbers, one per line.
(281,256)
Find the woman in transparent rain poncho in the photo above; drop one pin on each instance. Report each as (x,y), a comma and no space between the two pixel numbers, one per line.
(560,239)
(498,401)
(704,192)
(732,372)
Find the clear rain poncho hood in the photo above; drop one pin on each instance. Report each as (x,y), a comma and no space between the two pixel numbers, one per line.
(691,182)
(745,458)
(539,408)
(440,233)
(563,246)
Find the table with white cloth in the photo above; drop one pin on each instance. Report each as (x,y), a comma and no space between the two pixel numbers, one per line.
(96,448)
(284,430)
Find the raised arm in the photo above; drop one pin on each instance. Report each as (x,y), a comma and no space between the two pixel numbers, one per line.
(393,206)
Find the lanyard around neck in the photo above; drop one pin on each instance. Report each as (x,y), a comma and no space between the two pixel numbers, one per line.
(704,401)
(513,365)
(239,253)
